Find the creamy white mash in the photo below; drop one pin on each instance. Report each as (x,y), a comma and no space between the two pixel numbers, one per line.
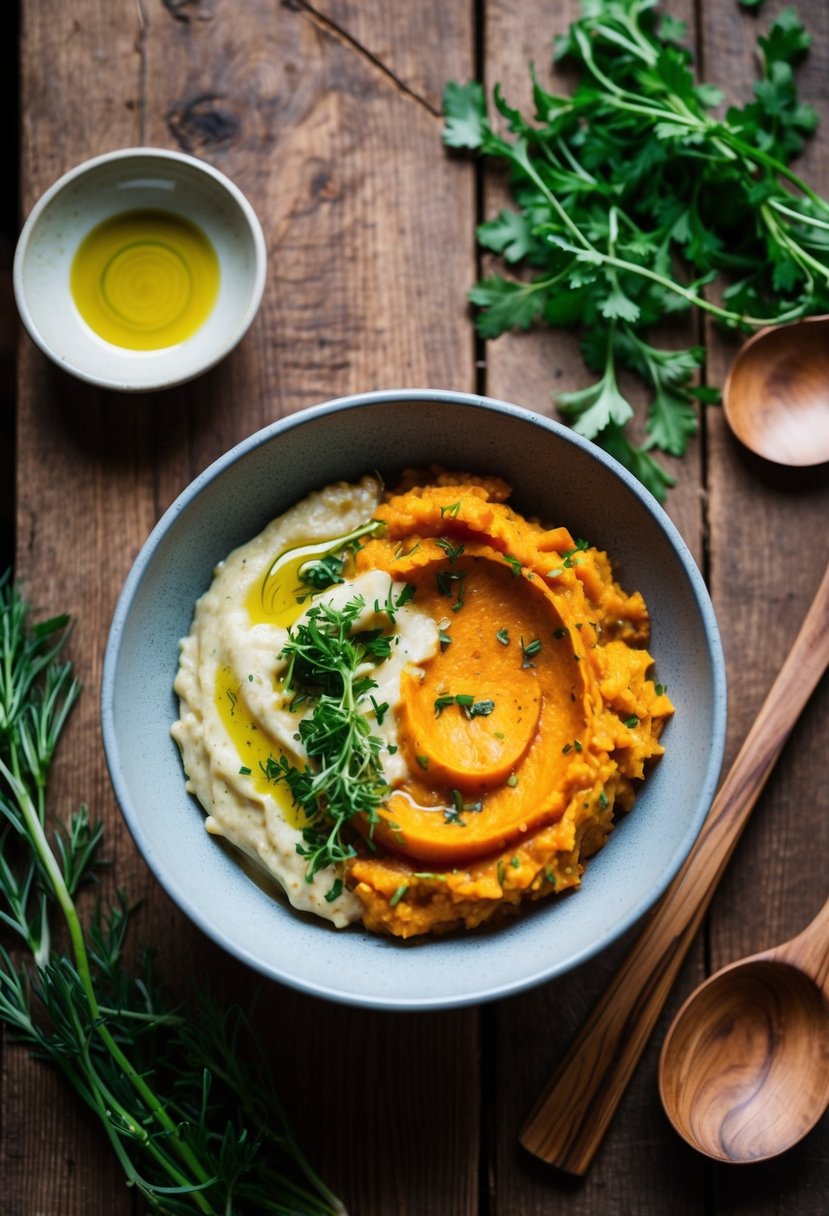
(235,712)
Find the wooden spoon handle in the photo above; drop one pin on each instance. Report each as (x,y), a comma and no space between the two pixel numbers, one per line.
(567,1124)
(809,951)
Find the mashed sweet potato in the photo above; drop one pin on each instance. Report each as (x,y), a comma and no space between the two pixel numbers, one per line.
(526,733)
(510,703)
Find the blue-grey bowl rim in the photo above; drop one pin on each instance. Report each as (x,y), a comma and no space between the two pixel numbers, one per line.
(302,417)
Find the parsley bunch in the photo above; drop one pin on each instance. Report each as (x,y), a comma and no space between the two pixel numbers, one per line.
(195,1127)
(328,661)
(634,195)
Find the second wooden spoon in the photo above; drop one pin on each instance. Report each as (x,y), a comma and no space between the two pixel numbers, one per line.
(775,397)
(744,1069)
(570,1118)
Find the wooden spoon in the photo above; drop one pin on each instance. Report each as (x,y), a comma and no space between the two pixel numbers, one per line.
(744,1070)
(567,1125)
(776,395)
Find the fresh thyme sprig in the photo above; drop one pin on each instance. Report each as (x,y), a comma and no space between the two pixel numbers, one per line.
(634,194)
(195,1128)
(327,659)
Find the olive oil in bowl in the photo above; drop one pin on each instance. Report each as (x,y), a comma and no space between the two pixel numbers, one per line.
(145,280)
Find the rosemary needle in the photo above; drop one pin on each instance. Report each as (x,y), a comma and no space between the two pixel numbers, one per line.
(195,1127)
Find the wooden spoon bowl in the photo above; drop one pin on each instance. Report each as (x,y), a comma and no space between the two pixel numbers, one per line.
(744,1069)
(776,395)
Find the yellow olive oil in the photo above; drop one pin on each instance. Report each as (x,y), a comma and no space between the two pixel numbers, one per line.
(253,744)
(145,280)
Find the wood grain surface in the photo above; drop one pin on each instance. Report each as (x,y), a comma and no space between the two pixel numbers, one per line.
(327,115)
(569,1123)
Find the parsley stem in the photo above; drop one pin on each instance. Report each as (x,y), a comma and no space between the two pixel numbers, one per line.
(799,254)
(518,154)
(776,166)
(639,47)
(811,221)
(692,297)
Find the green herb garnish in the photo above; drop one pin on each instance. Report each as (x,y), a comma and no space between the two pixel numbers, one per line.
(344,778)
(446,581)
(323,573)
(453,552)
(195,1128)
(571,557)
(638,197)
(528,652)
(469,706)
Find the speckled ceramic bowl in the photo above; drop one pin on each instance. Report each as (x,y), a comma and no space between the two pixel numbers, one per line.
(558,476)
(137,179)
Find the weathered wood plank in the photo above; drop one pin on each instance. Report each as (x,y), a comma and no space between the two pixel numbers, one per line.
(642,1165)
(51,1159)
(327,116)
(638,1167)
(770,544)
(367,229)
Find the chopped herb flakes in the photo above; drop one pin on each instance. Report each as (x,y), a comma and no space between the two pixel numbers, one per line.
(470,707)
(453,552)
(528,652)
(571,557)
(448,581)
(324,573)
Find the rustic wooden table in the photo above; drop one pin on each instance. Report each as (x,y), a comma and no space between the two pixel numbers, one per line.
(327,114)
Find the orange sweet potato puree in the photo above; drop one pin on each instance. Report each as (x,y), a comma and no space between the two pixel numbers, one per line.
(526,733)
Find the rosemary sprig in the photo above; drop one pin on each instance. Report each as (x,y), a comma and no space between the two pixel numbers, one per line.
(195,1128)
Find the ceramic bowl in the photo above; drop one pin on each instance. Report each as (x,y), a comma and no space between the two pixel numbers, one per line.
(556,475)
(137,179)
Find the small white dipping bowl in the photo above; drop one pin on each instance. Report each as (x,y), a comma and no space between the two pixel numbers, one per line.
(556,475)
(137,179)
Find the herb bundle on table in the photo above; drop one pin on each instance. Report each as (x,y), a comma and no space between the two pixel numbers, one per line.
(634,195)
(195,1128)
